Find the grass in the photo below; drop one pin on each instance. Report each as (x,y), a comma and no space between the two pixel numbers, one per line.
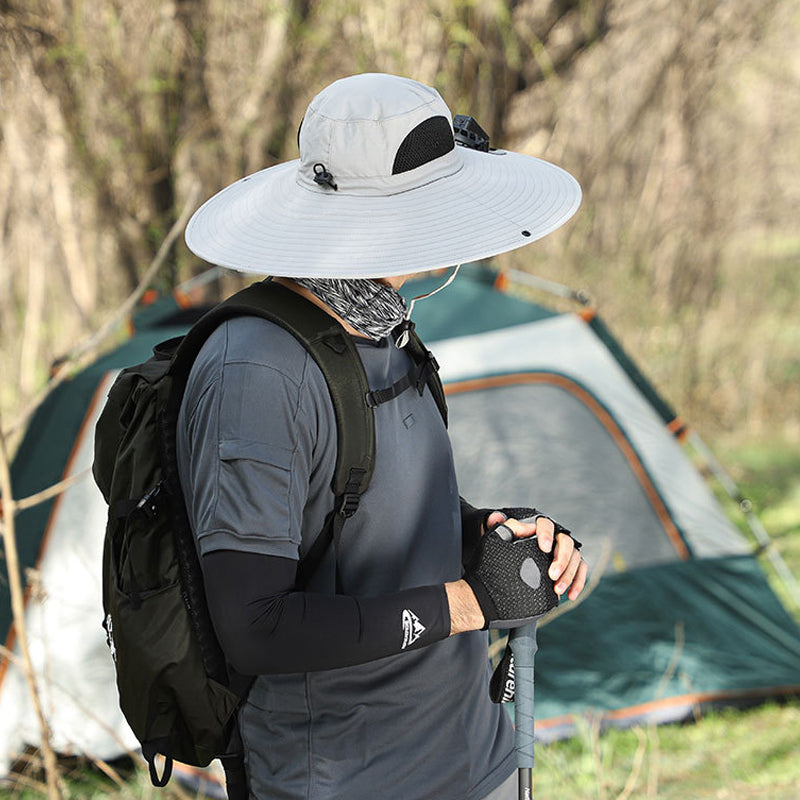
(726,754)
(736,754)
(769,476)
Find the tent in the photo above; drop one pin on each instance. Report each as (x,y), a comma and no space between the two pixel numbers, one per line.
(545,409)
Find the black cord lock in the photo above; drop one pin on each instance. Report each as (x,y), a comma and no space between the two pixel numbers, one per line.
(323,177)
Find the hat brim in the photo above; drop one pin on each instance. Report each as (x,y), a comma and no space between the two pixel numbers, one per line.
(267,223)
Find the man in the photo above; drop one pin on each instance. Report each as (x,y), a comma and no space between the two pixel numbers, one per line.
(373,679)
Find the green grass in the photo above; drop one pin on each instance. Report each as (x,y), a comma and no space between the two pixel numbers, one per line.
(769,476)
(726,754)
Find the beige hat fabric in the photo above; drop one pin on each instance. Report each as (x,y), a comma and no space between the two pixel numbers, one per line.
(380,189)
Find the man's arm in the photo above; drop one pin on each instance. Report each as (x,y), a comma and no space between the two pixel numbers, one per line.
(264,626)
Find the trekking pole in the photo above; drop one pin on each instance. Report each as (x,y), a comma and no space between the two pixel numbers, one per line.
(522,642)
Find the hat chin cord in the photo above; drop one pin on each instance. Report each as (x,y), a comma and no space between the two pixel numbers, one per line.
(406,325)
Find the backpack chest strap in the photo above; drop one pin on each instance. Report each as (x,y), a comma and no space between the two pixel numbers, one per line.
(417,376)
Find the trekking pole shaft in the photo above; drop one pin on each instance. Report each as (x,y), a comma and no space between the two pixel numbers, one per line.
(525,783)
(523,646)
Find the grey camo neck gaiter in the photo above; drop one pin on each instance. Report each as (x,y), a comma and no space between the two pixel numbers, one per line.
(372,308)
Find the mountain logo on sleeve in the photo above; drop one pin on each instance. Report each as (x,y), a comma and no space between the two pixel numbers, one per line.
(412,628)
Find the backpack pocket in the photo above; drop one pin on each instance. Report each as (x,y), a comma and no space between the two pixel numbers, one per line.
(142,558)
(170,702)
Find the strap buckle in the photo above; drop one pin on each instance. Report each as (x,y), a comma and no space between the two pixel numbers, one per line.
(427,368)
(349,504)
(149,502)
(351,496)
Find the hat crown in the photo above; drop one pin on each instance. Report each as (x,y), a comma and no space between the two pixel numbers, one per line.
(356,127)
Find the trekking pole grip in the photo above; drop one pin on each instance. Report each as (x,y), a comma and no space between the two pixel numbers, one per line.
(522,642)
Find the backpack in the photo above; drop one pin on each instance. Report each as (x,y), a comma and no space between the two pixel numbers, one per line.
(175,688)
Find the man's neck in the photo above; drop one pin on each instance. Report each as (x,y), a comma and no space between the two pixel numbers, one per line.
(312,298)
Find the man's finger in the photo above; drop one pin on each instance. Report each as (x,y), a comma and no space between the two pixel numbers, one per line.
(520,529)
(545,534)
(569,574)
(494,519)
(580,580)
(565,547)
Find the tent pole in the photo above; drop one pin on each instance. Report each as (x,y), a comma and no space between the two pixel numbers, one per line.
(558,289)
(754,523)
(207,276)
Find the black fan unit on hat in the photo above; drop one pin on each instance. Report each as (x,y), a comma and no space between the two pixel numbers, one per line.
(469,134)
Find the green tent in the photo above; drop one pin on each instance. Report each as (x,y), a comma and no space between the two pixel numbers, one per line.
(545,410)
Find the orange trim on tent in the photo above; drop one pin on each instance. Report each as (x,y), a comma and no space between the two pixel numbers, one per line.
(693,699)
(148,297)
(679,429)
(182,299)
(587,314)
(199,772)
(11,640)
(607,421)
(99,394)
(501,282)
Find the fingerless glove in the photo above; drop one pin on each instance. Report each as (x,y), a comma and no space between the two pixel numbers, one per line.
(509,578)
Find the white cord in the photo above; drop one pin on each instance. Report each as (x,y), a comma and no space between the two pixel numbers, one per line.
(402,340)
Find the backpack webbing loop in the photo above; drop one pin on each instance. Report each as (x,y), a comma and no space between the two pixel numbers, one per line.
(150,750)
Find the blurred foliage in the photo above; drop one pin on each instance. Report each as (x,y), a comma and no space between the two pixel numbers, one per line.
(677,116)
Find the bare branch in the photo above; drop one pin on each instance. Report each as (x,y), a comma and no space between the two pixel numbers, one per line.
(18,613)
(51,491)
(7,654)
(638,760)
(29,783)
(87,351)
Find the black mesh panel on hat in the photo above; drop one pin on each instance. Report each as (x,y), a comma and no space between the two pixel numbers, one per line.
(431,139)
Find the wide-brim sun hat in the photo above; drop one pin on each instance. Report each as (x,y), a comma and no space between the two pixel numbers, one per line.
(381,189)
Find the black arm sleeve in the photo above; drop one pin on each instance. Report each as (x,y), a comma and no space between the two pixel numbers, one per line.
(264,626)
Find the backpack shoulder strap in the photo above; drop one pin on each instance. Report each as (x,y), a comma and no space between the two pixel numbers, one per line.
(429,370)
(334,351)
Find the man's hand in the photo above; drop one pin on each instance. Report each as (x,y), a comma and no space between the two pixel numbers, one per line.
(568,569)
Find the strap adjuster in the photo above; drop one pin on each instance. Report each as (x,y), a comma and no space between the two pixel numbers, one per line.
(428,367)
(349,504)
(351,496)
(149,502)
